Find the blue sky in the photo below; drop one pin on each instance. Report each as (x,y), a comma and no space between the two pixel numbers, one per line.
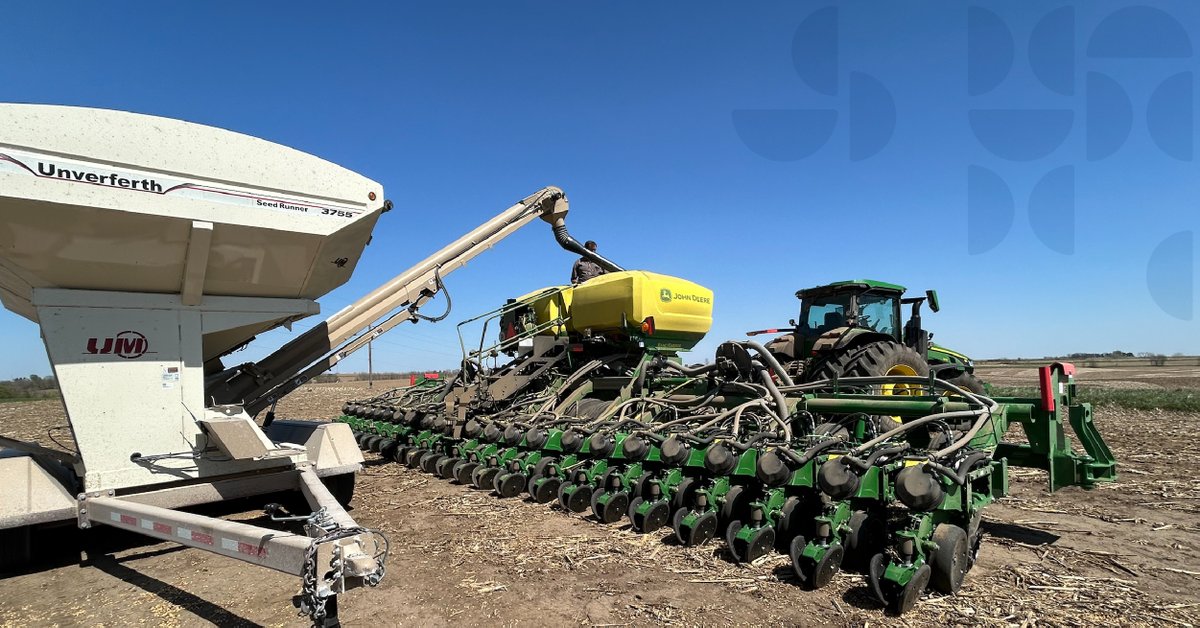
(460,110)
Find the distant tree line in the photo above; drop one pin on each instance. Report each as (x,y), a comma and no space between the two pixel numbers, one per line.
(1087,359)
(330,378)
(32,387)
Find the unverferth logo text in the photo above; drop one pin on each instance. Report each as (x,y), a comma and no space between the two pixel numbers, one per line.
(111,180)
(127,344)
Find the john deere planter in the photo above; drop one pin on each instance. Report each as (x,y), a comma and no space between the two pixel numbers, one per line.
(832,463)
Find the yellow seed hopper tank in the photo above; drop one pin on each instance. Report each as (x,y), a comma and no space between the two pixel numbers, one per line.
(665,312)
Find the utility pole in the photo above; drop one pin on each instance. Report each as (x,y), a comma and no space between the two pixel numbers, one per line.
(370,360)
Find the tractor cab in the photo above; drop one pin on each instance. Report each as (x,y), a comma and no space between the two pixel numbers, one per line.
(845,313)
(865,305)
(858,306)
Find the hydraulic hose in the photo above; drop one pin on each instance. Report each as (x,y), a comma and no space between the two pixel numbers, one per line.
(766,356)
(904,427)
(863,465)
(811,452)
(781,408)
(692,371)
(959,477)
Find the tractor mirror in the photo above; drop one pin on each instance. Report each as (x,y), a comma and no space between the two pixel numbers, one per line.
(931,296)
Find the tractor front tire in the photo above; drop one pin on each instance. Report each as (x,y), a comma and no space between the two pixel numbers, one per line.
(969,383)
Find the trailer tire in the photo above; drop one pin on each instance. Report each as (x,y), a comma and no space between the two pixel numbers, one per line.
(950,560)
(341,486)
(18,549)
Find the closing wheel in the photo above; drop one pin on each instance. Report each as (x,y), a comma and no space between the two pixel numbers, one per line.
(815,574)
(579,498)
(867,537)
(510,484)
(373,442)
(875,568)
(401,453)
(907,596)
(633,506)
(735,507)
(682,497)
(698,531)
(413,457)
(463,470)
(387,447)
(539,468)
(594,502)
(642,486)
(677,522)
(654,518)
(484,477)
(731,532)
(564,494)
(614,508)
(974,538)
(787,525)
(748,550)
(445,467)
(950,562)
(545,489)
(429,461)
(363,437)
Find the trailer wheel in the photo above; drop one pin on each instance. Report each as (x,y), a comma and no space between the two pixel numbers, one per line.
(18,549)
(341,486)
(950,561)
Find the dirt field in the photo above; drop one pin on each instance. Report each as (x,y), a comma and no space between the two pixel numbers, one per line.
(1127,553)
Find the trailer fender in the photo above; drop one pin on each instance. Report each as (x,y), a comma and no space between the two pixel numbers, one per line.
(332,448)
(29,493)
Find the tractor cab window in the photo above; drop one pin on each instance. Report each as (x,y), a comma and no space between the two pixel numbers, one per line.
(826,313)
(877,312)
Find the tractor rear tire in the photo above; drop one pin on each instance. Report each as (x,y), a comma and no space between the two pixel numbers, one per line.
(870,360)
(875,359)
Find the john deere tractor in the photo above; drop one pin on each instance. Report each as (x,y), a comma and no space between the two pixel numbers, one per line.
(853,329)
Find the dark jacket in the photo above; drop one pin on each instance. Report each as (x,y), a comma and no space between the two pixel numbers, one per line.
(585,269)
